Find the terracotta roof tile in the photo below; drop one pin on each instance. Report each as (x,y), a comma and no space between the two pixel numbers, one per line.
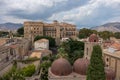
(13,46)
(116,46)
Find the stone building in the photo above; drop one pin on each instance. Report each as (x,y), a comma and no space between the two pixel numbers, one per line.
(61,69)
(4,53)
(92,40)
(40,53)
(24,46)
(56,30)
(16,47)
(112,58)
(3,41)
(41,44)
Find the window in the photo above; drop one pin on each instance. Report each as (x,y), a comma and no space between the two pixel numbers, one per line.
(107,59)
(94,40)
(106,65)
(62,74)
(87,51)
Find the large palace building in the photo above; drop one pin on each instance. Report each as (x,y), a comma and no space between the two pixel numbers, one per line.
(56,30)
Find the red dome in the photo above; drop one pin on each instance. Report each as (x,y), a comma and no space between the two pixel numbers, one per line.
(110,74)
(61,67)
(93,38)
(81,65)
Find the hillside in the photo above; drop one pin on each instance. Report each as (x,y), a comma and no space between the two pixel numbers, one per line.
(114,27)
(10,26)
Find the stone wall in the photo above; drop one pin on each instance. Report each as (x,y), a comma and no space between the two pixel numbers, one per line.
(72,76)
(32,78)
(89,47)
(21,64)
(113,63)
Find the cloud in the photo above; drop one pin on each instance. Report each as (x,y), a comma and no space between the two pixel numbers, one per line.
(83,13)
(96,12)
(39,9)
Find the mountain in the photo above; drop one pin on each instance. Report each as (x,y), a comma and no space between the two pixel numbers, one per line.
(10,26)
(114,27)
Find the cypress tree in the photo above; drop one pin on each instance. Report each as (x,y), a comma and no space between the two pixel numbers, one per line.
(96,68)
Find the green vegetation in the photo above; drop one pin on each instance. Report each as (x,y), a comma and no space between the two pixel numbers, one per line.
(70,50)
(84,33)
(20,31)
(51,40)
(3,33)
(17,76)
(46,63)
(20,74)
(45,66)
(96,67)
(62,53)
(105,35)
(117,35)
(8,75)
(28,71)
(73,48)
(29,60)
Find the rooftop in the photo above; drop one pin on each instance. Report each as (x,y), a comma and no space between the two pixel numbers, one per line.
(116,54)
(116,46)
(42,40)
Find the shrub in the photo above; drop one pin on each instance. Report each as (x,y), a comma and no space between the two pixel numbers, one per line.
(28,71)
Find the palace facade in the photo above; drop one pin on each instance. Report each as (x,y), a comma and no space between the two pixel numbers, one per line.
(56,30)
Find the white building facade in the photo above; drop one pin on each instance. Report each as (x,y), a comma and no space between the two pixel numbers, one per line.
(41,44)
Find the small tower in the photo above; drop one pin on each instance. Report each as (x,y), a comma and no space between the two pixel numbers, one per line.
(57,26)
(92,40)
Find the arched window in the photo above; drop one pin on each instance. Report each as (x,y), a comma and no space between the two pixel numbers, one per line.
(94,40)
(87,51)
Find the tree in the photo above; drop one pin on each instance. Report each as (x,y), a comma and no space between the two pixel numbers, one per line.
(84,33)
(77,54)
(51,40)
(62,53)
(3,33)
(105,35)
(45,66)
(28,71)
(20,31)
(117,35)
(96,68)
(17,76)
(73,48)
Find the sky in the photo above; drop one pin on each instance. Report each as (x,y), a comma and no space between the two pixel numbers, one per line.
(82,13)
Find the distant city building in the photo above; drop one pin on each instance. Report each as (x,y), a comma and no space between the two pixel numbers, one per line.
(4,53)
(41,44)
(56,30)
(11,50)
(3,41)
